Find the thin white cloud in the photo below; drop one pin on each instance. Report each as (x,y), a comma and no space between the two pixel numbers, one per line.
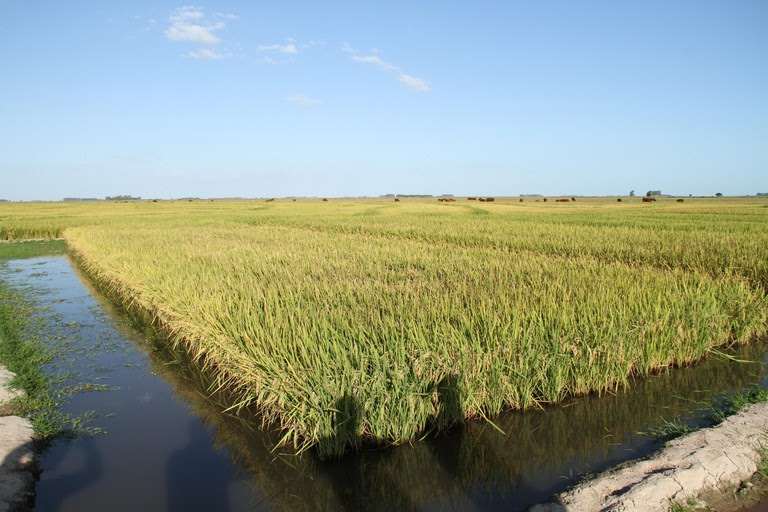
(227,16)
(188,24)
(376,61)
(413,83)
(192,33)
(187,13)
(303,100)
(207,53)
(289,48)
(311,43)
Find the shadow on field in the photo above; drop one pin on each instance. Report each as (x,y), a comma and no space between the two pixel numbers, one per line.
(449,399)
(345,428)
(349,480)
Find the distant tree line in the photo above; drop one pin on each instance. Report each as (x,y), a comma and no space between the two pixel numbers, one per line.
(80,199)
(122,198)
(762,194)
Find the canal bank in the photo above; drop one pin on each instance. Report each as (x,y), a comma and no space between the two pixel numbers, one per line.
(19,451)
(711,458)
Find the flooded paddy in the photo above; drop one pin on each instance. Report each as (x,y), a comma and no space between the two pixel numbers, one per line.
(166,446)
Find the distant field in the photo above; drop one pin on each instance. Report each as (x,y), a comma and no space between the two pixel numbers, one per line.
(354,320)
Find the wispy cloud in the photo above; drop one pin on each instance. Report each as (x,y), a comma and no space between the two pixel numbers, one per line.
(190,24)
(413,83)
(376,61)
(192,33)
(288,48)
(303,100)
(207,53)
(187,13)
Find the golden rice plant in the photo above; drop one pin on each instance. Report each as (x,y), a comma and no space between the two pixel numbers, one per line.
(339,337)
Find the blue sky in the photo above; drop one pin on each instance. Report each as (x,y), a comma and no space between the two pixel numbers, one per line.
(257,99)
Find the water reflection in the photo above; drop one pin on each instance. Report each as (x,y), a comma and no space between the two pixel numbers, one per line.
(182,473)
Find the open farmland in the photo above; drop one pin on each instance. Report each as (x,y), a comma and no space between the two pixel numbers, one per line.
(352,321)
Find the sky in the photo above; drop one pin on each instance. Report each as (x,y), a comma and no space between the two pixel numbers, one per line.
(164,99)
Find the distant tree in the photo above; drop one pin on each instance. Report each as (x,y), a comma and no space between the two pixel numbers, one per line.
(762,194)
(652,193)
(122,198)
(631,193)
(719,194)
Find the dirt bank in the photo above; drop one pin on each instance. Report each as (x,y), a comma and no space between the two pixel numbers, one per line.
(18,453)
(714,457)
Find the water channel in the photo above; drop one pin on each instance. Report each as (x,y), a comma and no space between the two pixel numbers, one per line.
(166,446)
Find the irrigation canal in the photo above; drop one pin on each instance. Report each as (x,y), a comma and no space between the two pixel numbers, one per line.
(165,446)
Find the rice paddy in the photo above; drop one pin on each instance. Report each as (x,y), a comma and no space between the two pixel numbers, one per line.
(369,321)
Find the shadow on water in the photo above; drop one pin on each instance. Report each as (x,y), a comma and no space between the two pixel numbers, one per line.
(182,453)
(85,473)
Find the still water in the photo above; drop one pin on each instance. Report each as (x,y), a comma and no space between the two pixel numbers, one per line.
(166,446)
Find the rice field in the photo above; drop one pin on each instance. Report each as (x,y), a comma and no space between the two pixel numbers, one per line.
(369,321)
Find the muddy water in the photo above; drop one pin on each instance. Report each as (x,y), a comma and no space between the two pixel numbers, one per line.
(167,447)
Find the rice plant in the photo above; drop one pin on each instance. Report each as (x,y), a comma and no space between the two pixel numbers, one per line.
(347,322)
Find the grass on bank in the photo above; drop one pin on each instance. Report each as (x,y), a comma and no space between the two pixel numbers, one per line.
(25,357)
(708,414)
(32,249)
(24,352)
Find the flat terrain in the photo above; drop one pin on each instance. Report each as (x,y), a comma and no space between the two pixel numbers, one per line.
(346,321)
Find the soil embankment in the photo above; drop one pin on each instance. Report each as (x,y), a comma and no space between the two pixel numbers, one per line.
(710,458)
(18,454)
